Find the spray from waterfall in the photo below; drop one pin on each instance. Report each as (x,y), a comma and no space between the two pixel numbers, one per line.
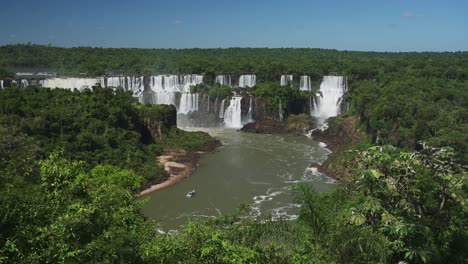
(69,83)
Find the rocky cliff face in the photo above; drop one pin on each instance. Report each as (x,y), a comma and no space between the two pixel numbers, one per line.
(158,119)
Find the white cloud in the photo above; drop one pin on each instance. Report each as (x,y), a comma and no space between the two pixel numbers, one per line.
(407,14)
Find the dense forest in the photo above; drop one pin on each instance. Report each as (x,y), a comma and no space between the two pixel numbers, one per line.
(267,64)
(71,162)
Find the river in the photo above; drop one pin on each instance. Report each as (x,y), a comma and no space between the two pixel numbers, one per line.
(255,169)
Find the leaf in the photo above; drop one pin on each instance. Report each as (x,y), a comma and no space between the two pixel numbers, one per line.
(376,174)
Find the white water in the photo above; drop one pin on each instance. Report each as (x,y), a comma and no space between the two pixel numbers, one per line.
(285,79)
(1,84)
(221,109)
(328,101)
(232,116)
(224,80)
(164,88)
(280,110)
(247,81)
(24,83)
(304,84)
(188,103)
(69,83)
(115,81)
(249,117)
(136,85)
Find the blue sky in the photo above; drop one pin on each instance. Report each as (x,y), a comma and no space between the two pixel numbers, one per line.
(391,25)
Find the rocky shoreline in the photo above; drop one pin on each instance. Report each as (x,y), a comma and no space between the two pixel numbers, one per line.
(341,135)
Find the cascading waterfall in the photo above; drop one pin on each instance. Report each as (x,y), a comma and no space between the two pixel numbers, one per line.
(165,87)
(216,104)
(1,84)
(69,83)
(188,103)
(24,83)
(221,109)
(223,80)
(249,80)
(249,117)
(285,79)
(137,85)
(115,81)
(328,101)
(304,84)
(280,111)
(233,116)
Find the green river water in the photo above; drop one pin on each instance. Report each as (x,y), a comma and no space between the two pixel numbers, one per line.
(256,169)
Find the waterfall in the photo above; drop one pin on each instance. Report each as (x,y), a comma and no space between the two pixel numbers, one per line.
(165,87)
(232,116)
(1,84)
(221,109)
(285,79)
(216,104)
(311,106)
(223,80)
(249,117)
(331,90)
(136,85)
(188,103)
(208,107)
(247,80)
(304,84)
(133,84)
(280,111)
(69,83)
(115,81)
(24,83)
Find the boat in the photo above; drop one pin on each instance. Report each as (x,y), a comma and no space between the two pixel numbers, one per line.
(190,194)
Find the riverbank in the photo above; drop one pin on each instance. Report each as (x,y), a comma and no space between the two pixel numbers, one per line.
(341,136)
(178,166)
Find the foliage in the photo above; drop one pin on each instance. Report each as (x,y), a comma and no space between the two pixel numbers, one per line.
(268,64)
(299,123)
(5,74)
(71,161)
(77,216)
(214,91)
(402,112)
(188,141)
(292,100)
